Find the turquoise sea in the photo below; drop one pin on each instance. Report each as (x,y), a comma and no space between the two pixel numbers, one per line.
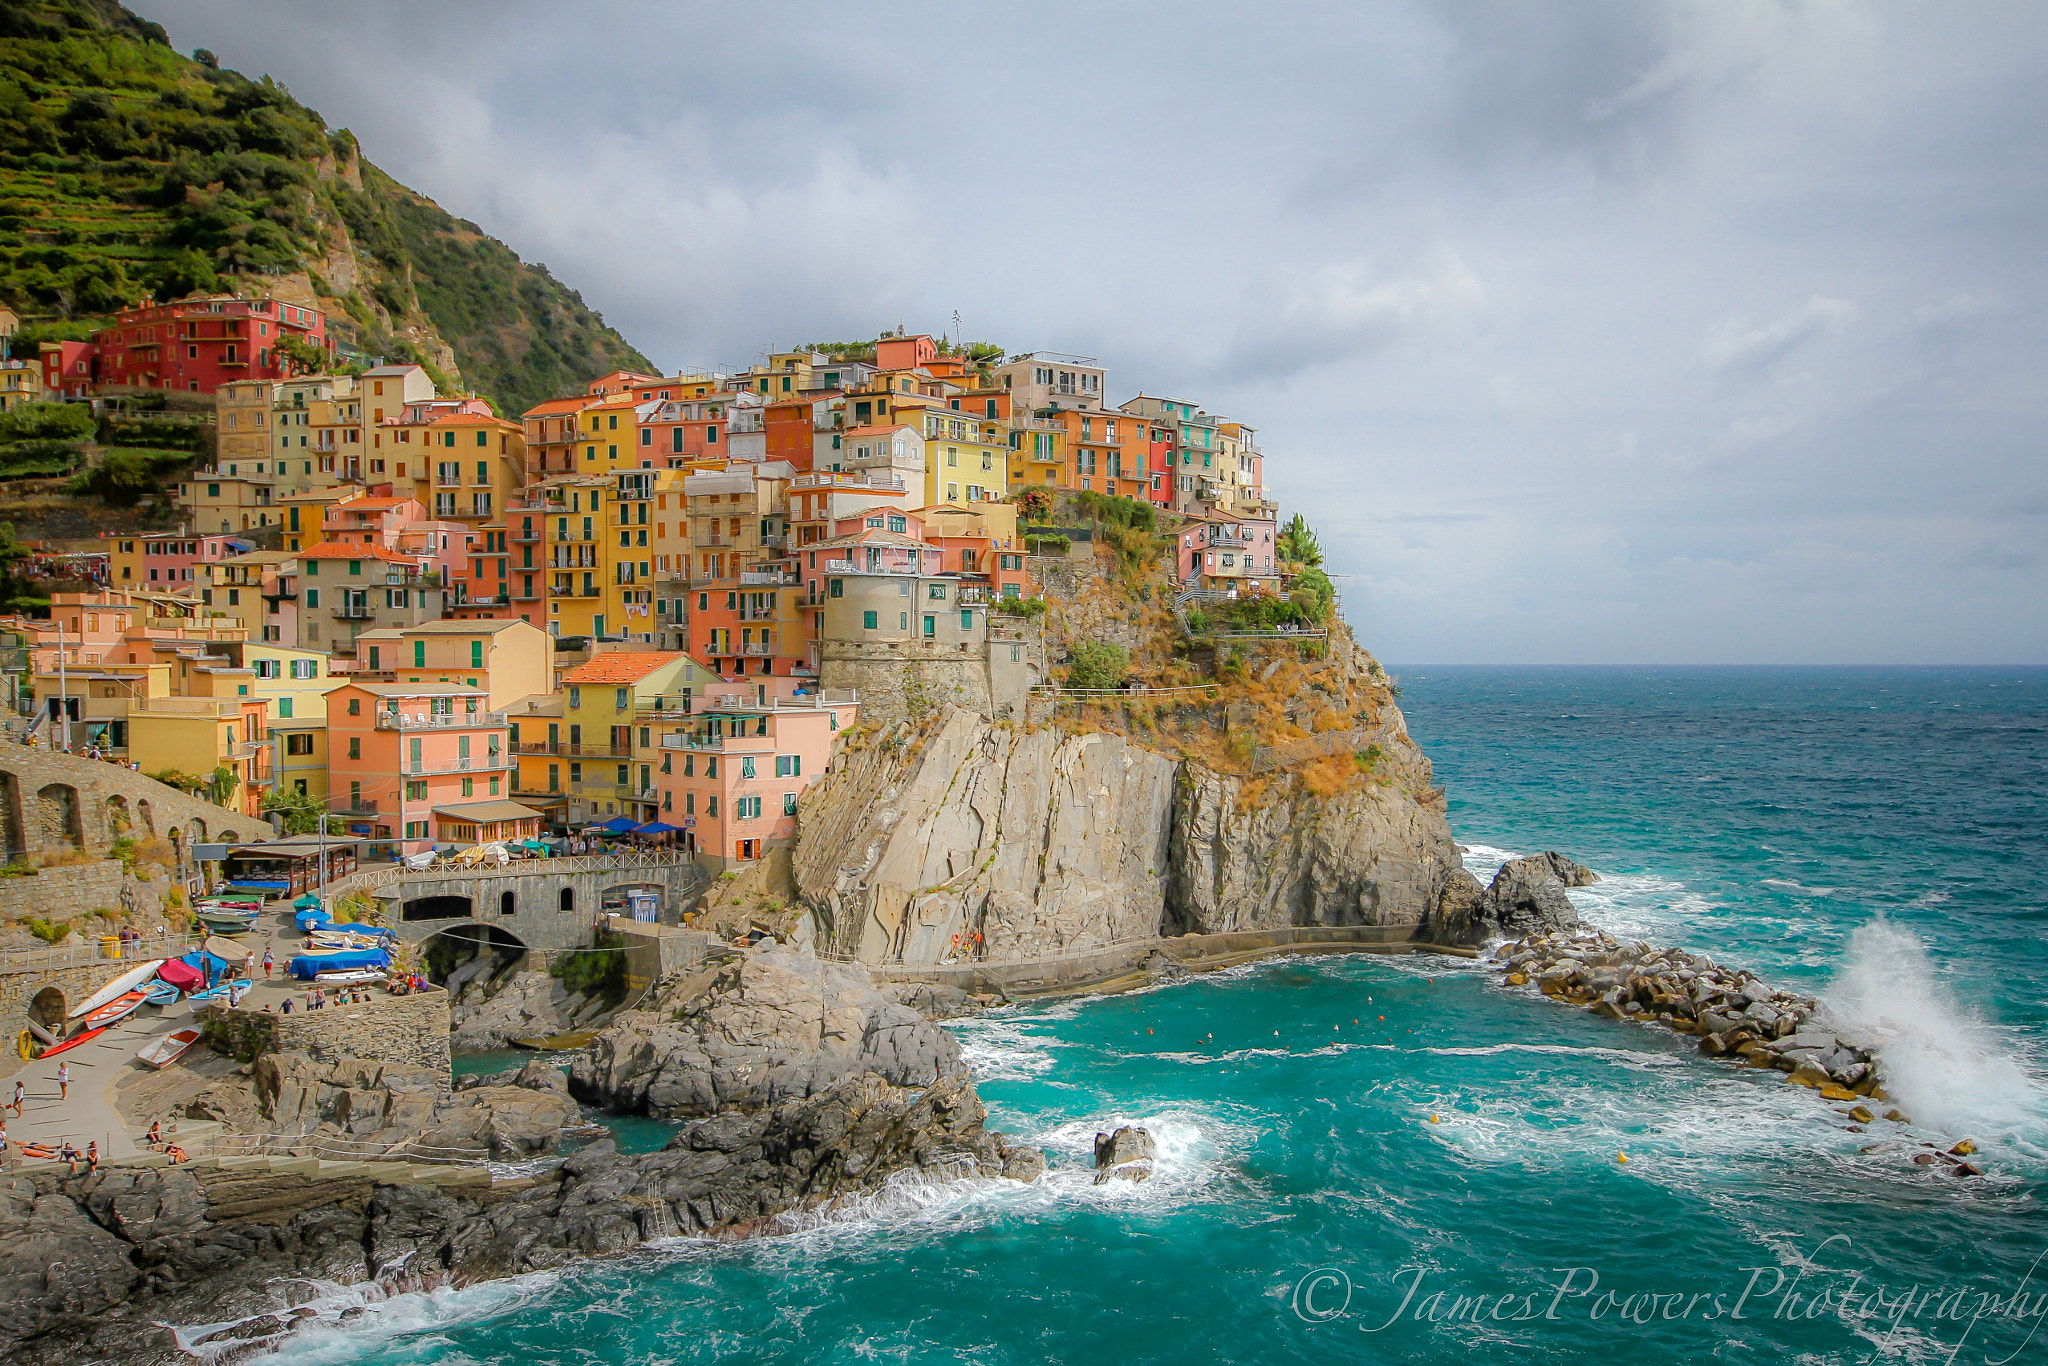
(1402,1161)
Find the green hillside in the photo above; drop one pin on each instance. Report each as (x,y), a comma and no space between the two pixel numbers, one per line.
(127,169)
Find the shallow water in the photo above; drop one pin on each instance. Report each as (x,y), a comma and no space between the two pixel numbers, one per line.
(1342,1137)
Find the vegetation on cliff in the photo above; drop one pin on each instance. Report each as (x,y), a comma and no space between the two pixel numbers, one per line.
(127,169)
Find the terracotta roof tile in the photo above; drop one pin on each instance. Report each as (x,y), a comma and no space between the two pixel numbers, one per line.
(621,667)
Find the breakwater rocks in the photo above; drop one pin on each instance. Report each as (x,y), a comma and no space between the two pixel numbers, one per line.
(1733,1014)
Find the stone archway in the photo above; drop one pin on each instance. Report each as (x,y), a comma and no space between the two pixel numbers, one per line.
(118,822)
(228,837)
(58,819)
(47,1009)
(445,907)
(12,829)
(195,831)
(145,814)
(471,953)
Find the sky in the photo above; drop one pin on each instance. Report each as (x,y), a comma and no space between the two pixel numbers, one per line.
(1609,331)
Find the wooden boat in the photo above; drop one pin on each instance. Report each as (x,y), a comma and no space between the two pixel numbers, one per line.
(166,1049)
(209,903)
(74,1041)
(126,982)
(234,922)
(159,993)
(120,1008)
(322,939)
(227,950)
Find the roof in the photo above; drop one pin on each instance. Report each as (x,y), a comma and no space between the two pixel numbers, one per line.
(561,405)
(622,667)
(420,690)
(374,504)
(393,369)
(328,550)
(489,811)
(870,536)
(485,627)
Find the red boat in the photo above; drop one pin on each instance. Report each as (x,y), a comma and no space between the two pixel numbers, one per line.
(74,1041)
(119,1008)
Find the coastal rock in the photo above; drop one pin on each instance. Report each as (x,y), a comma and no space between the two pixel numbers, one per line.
(934,1002)
(513,1006)
(772,1026)
(1525,897)
(1125,1155)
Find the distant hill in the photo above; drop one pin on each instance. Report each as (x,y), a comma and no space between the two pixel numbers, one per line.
(127,169)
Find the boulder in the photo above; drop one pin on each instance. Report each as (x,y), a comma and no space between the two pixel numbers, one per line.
(1125,1155)
(1525,897)
(933,1001)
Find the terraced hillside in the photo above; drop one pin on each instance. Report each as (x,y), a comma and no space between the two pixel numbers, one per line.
(128,169)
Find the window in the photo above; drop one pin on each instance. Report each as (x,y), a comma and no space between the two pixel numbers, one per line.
(284,708)
(966,619)
(711,806)
(415,830)
(936,592)
(305,668)
(266,668)
(298,743)
(355,745)
(355,706)
(789,803)
(415,790)
(788,765)
(746,766)
(868,620)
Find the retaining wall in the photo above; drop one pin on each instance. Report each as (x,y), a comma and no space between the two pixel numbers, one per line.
(402,1029)
(50,801)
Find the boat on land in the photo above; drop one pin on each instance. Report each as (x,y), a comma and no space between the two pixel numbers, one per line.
(126,982)
(348,977)
(166,1049)
(120,1008)
(83,1036)
(159,993)
(232,921)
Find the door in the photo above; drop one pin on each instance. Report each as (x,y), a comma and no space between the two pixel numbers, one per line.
(931,628)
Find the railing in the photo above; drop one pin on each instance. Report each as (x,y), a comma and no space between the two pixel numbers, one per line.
(440,720)
(754,578)
(488,763)
(757,648)
(353,612)
(88,951)
(573,749)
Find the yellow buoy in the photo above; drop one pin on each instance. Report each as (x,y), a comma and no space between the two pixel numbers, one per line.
(1432,1119)
(1621,1157)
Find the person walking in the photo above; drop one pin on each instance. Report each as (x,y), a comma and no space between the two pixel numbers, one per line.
(63,1081)
(20,1092)
(269,962)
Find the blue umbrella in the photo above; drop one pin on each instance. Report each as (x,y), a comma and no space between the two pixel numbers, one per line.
(618,825)
(657,828)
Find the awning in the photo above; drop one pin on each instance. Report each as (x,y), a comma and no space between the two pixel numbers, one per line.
(484,813)
(618,825)
(657,828)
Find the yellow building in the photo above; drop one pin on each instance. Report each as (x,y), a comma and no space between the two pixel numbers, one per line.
(576,562)
(541,764)
(966,457)
(605,703)
(291,684)
(509,660)
(317,428)
(608,435)
(299,753)
(196,735)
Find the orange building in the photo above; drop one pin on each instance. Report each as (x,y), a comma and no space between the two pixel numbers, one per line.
(734,769)
(419,763)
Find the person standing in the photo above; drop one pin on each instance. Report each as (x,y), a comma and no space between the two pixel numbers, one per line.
(20,1091)
(268,962)
(64,1080)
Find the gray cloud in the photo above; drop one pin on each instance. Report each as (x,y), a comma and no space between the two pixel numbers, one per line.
(1623,329)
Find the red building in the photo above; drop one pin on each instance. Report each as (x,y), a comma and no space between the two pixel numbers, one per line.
(69,368)
(198,344)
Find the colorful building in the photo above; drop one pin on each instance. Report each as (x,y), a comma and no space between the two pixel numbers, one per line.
(199,343)
(405,759)
(732,771)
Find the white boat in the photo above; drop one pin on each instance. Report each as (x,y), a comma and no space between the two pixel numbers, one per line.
(166,1049)
(126,982)
(325,940)
(349,977)
(233,954)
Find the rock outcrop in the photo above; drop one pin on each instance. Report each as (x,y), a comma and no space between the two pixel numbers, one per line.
(350,1108)
(1032,843)
(492,1012)
(1525,897)
(803,1089)
(770,1026)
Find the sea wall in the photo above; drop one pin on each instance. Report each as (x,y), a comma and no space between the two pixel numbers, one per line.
(411,1030)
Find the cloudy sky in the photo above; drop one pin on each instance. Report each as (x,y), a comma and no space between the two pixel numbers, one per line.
(1600,331)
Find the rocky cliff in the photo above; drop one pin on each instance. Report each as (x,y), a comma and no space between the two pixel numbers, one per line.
(1127,824)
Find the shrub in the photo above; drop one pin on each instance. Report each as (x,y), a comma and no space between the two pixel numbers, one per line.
(1021,607)
(1047,545)
(1097,664)
(49,931)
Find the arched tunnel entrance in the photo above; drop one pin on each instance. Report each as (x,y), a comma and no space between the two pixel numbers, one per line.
(438,908)
(472,953)
(47,1009)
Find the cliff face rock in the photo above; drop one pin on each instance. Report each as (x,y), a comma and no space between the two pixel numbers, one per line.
(1037,840)
(1042,842)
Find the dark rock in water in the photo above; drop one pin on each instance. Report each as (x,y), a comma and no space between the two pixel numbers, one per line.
(1125,1155)
(1525,897)
(1160,968)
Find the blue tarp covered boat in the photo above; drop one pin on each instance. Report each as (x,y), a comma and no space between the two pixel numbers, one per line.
(307,966)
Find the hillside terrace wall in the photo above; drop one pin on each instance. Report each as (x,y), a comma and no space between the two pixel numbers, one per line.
(51,801)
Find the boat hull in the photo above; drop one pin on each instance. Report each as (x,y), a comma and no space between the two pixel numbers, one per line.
(126,982)
(161,1053)
(74,1041)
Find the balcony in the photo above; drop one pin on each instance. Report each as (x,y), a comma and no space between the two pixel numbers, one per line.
(355,611)
(533,594)
(574,749)
(488,763)
(435,720)
(526,535)
(561,591)
(768,578)
(758,648)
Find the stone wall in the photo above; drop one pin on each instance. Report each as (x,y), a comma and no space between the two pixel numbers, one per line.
(50,801)
(72,890)
(399,1029)
(537,915)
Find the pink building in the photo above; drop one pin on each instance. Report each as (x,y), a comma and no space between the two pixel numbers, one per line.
(733,770)
(422,763)
(170,563)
